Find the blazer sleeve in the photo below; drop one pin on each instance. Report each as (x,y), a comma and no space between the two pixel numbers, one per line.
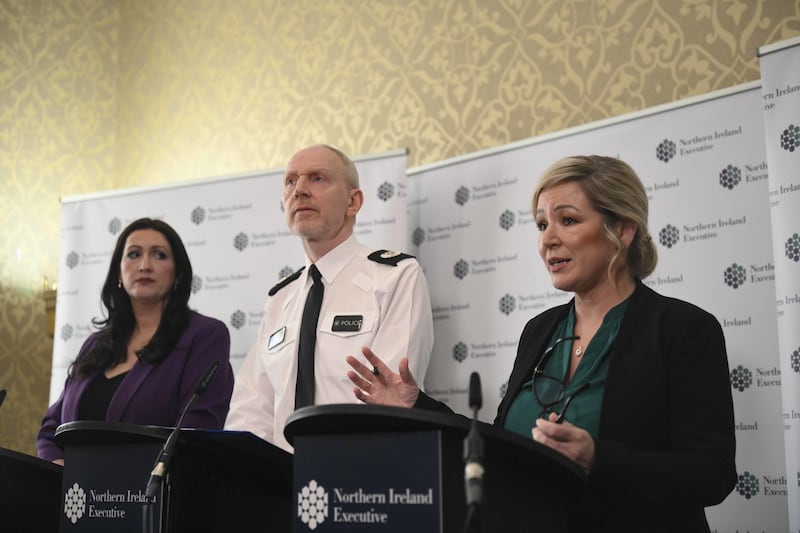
(667,432)
(46,447)
(427,403)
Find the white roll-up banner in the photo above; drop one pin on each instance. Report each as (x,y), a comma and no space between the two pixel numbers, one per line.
(780,93)
(235,233)
(469,222)
(703,164)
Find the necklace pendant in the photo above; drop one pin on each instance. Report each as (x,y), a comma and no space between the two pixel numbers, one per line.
(579,351)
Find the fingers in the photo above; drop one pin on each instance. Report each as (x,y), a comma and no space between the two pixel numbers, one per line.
(550,433)
(542,435)
(359,367)
(361,395)
(357,380)
(405,373)
(376,362)
(575,443)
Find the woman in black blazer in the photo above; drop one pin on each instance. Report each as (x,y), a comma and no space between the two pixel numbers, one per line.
(631,385)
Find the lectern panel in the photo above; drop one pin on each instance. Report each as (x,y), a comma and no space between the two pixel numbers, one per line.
(387,482)
(103,488)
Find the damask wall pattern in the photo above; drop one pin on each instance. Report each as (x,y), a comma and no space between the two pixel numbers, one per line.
(57,115)
(442,78)
(151,92)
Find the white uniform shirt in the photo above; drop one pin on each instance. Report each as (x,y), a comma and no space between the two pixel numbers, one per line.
(396,321)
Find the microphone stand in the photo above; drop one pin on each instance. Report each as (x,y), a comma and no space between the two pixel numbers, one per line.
(164,458)
(473,458)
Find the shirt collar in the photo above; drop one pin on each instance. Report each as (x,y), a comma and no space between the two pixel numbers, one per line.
(333,262)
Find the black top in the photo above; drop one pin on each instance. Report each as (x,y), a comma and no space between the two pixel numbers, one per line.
(97,397)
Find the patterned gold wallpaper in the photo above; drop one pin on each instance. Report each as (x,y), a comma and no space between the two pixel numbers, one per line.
(118,93)
(57,119)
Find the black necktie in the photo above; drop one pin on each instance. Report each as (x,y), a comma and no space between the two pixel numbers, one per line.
(304,391)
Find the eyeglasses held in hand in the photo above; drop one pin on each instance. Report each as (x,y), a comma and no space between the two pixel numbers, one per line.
(550,390)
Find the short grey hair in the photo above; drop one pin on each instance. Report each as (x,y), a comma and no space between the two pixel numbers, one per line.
(352,172)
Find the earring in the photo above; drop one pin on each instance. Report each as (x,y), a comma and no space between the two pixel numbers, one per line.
(119,283)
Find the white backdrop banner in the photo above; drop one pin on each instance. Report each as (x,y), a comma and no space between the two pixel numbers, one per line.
(235,232)
(704,167)
(469,222)
(780,90)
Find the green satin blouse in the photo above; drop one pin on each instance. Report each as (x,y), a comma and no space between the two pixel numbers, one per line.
(584,409)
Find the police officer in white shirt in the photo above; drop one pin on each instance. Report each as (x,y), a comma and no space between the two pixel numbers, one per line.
(375,299)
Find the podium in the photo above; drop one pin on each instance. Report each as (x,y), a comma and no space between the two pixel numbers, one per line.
(30,491)
(217,480)
(374,468)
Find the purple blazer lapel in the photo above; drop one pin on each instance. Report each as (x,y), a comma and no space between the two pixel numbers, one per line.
(72,395)
(121,402)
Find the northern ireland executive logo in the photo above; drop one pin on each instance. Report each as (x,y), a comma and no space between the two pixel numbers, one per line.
(238,319)
(385,191)
(669,236)
(462,195)
(665,150)
(66,332)
(312,505)
(461,269)
(197,284)
(730,177)
(741,378)
(114,226)
(735,276)
(460,352)
(75,503)
(241,241)
(507,304)
(198,215)
(72,260)
(418,237)
(507,219)
(793,248)
(747,485)
(790,138)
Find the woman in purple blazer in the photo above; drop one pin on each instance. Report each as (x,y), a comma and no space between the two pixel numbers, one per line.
(142,366)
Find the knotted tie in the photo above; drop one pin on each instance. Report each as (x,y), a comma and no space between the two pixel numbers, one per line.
(304,391)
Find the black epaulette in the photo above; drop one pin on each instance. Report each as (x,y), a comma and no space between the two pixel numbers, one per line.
(285,281)
(388,257)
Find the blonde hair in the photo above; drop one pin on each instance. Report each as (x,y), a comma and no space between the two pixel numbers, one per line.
(617,193)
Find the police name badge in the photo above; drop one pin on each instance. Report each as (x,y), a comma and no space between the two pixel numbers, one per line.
(347,323)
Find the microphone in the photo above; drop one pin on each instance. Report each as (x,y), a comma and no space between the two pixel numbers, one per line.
(2,396)
(473,452)
(162,463)
(475,393)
